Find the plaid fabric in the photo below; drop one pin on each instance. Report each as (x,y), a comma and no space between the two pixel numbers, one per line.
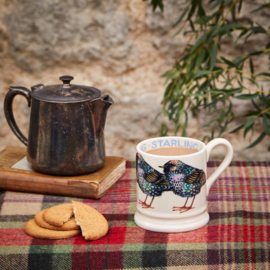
(237,236)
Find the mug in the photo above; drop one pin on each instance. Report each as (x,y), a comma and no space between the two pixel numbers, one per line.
(172,183)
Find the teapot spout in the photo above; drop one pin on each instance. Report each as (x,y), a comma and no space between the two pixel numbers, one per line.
(108,101)
(99,108)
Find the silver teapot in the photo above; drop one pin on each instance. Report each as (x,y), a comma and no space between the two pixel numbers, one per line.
(66,131)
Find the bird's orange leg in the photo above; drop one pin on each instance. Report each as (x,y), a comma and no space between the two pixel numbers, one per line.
(176,208)
(143,203)
(149,205)
(184,208)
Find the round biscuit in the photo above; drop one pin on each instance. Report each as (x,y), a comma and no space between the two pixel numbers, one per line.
(70,225)
(93,224)
(31,228)
(59,214)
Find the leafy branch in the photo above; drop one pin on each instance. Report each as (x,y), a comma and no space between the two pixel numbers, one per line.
(203,78)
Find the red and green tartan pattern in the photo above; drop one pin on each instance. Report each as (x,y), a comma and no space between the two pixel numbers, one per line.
(237,236)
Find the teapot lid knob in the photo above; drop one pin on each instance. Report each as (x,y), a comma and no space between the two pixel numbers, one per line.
(66,79)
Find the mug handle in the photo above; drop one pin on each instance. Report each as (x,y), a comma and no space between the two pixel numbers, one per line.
(224,164)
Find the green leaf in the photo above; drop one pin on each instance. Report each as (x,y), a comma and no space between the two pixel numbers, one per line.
(192,9)
(242,33)
(179,30)
(163,130)
(238,128)
(263,74)
(201,12)
(230,91)
(249,20)
(258,140)
(181,16)
(216,3)
(170,76)
(214,52)
(266,125)
(251,113)
(222,129)
(247,129)
(221,117)
(167,73)
(206,138)
(252,80)
(237,61)
(228,28)
(229,81)
(199,95)
(251,66)
(250,122)
(233,13)
(198,43)
(203,19)
(200,58)
(203,86)
(201,73)
(228,62)
(177,127)
(157,3)
(256,53)
(191,25)
(184,127)
(239,6)
(213,32)
(168,91)
(247,36)
(247,96)
(171,113)
(260,7)
(258,29)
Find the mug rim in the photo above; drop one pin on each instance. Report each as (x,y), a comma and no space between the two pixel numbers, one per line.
(139,150)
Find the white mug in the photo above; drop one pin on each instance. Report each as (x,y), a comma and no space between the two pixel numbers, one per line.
(172,189)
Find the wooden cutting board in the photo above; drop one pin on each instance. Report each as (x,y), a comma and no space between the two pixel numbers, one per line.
(93,185)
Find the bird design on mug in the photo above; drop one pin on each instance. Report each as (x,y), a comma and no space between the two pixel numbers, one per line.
(183,180)
(151,182)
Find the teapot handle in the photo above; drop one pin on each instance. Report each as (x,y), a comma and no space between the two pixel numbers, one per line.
(13,91)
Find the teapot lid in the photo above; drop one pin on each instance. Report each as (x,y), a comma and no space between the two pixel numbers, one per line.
(65,93)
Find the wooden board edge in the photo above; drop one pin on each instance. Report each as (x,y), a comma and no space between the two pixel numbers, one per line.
(115,175)
(41,186)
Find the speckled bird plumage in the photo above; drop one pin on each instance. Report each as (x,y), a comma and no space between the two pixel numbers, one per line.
(150,181)
(185,181)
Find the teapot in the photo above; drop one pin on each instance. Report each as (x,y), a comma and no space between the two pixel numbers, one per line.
(66,130)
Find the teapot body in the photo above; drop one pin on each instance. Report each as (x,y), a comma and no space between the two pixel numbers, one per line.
(63,140)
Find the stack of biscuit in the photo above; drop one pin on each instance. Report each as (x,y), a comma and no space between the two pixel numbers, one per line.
(68,220)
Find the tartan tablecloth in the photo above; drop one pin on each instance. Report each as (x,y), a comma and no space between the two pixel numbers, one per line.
(237,236)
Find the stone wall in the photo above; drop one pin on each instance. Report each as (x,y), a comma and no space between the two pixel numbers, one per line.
(118,46)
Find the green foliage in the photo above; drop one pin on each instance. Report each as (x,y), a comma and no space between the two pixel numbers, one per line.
(202,78)
(156,3)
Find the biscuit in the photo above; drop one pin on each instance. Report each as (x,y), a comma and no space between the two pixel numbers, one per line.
(93,224)
(59,214)
(31,228)
(70,225)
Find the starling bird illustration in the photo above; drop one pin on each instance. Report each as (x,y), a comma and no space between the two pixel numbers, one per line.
(151,182)
(185,181)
